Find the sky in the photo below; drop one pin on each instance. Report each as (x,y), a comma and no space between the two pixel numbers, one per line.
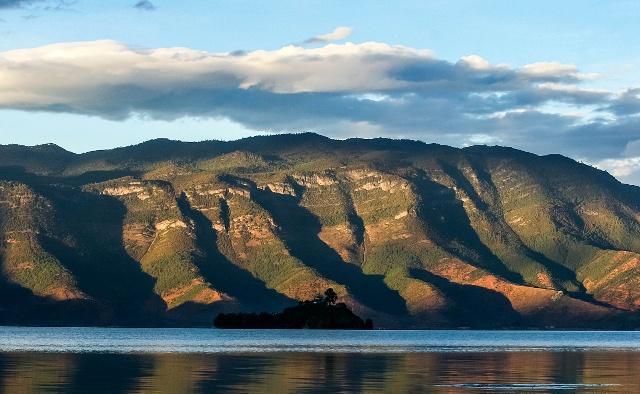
(542,76)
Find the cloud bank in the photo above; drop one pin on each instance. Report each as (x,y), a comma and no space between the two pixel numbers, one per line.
(342,90)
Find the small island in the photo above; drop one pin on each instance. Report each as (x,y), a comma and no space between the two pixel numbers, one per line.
(320,313)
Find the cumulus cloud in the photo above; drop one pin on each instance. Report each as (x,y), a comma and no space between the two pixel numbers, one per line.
(339,33)
(338,89)
(144,5)
(34,78)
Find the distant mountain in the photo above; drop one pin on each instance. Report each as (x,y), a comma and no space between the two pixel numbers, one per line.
(408,234)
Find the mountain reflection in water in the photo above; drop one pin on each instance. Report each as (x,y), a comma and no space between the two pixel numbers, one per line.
(540,371)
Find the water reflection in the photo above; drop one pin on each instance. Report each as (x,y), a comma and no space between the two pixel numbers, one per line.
(321,372)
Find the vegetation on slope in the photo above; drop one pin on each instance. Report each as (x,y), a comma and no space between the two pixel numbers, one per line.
(407,233)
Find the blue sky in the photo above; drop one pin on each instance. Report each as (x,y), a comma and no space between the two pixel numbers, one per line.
(549,108)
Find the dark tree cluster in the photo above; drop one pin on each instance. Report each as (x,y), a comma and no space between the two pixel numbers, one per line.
(323,312)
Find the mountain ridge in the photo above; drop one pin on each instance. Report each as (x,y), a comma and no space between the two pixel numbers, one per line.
(409,234)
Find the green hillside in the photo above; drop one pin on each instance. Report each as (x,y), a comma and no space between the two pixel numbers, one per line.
(408,234)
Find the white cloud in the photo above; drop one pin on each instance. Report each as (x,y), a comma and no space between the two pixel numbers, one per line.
(339,33)
(342,89)
(622,168)
(482,139)
(568,88)
(551,69)
(475,61)
(626,168)
(57,74)
(71,74)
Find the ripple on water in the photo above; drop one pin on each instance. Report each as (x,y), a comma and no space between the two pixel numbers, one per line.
(81,360)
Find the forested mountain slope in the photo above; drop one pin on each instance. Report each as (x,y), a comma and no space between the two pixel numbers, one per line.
(408,234)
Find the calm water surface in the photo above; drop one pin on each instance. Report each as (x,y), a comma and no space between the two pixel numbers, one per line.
(274,361)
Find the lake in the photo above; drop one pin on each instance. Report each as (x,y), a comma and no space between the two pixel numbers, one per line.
(278,361)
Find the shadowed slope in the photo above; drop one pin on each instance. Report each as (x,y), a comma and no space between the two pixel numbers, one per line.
(299,229)
(98,259)
(451,229)
(473,306)
(224,274)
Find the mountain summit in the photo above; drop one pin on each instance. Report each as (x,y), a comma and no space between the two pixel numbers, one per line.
(408,234)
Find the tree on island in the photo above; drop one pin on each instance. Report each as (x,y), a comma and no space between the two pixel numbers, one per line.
(321,312)
(330,297)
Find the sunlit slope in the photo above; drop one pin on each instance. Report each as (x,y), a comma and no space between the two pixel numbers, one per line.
(26,220)
(412,235)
